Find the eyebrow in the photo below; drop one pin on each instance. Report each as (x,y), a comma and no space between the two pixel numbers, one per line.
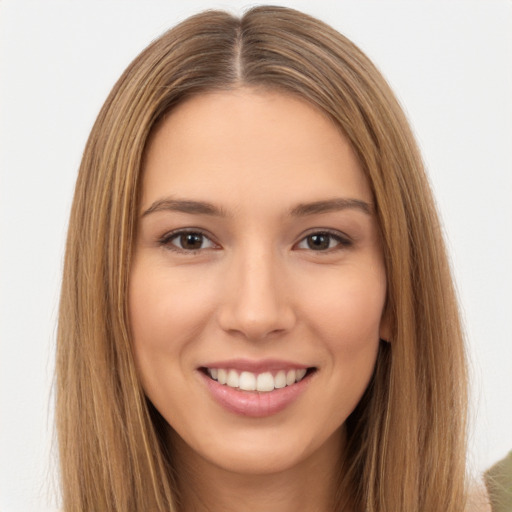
(330,205)
(301,210)
(185,206)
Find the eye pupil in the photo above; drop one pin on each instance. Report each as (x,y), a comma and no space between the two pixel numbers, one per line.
(318,241)
(191,240)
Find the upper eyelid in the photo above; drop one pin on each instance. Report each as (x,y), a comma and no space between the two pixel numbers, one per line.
(173,233)
(326,231)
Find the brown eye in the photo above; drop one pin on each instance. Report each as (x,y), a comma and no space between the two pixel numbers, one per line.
(191,241)
(323,241)
(187,241)
(319,242)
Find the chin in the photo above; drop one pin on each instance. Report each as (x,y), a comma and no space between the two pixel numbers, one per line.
(261,453)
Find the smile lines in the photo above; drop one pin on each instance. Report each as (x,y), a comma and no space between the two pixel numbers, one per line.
(249,381)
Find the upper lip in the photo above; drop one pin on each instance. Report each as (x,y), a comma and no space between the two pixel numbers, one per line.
(255,366)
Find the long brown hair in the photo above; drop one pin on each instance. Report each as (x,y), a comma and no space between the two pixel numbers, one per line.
(406,439)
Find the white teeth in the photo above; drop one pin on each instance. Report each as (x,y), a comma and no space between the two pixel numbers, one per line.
(233,379)
(290,377)
(300,374)
(247,381)
(222,376)
(263,382)
(280,379)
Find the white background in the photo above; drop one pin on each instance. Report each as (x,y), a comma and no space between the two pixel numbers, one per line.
(450,64)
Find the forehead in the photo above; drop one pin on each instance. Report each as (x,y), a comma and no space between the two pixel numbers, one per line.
(247,145)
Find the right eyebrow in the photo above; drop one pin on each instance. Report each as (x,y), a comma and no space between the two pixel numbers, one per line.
(185,206)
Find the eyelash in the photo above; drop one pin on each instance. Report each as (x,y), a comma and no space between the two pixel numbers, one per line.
(167,239)
(342,242)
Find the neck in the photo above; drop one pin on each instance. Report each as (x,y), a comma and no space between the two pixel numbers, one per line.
(310,485)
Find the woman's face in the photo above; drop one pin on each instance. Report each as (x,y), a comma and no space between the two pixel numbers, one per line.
(257,266)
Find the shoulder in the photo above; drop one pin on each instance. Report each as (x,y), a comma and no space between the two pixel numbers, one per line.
(498,480)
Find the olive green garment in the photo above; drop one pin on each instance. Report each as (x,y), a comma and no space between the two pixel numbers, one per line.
(498,480)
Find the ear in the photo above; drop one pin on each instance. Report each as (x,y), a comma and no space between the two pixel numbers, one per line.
(385,325)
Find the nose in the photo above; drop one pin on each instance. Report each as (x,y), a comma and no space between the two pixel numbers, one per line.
(257,301)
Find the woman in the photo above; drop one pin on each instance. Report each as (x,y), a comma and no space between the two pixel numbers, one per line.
(257,310)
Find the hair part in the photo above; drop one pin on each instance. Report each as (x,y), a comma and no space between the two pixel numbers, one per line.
(406,438)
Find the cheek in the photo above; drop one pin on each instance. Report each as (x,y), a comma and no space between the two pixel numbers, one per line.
(345,320)
(166,313)
(163,307)
(348,311)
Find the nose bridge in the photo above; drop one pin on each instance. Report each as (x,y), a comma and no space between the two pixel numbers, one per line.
(257,303)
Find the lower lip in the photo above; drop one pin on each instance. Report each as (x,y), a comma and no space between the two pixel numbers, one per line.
(253,403)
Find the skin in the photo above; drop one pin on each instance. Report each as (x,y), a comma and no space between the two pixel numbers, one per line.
(254,288)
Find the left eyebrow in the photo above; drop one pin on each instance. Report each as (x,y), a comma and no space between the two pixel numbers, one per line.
(185,206)
(331,205)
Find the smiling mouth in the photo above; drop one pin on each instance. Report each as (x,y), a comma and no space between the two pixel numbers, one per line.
(261,382)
